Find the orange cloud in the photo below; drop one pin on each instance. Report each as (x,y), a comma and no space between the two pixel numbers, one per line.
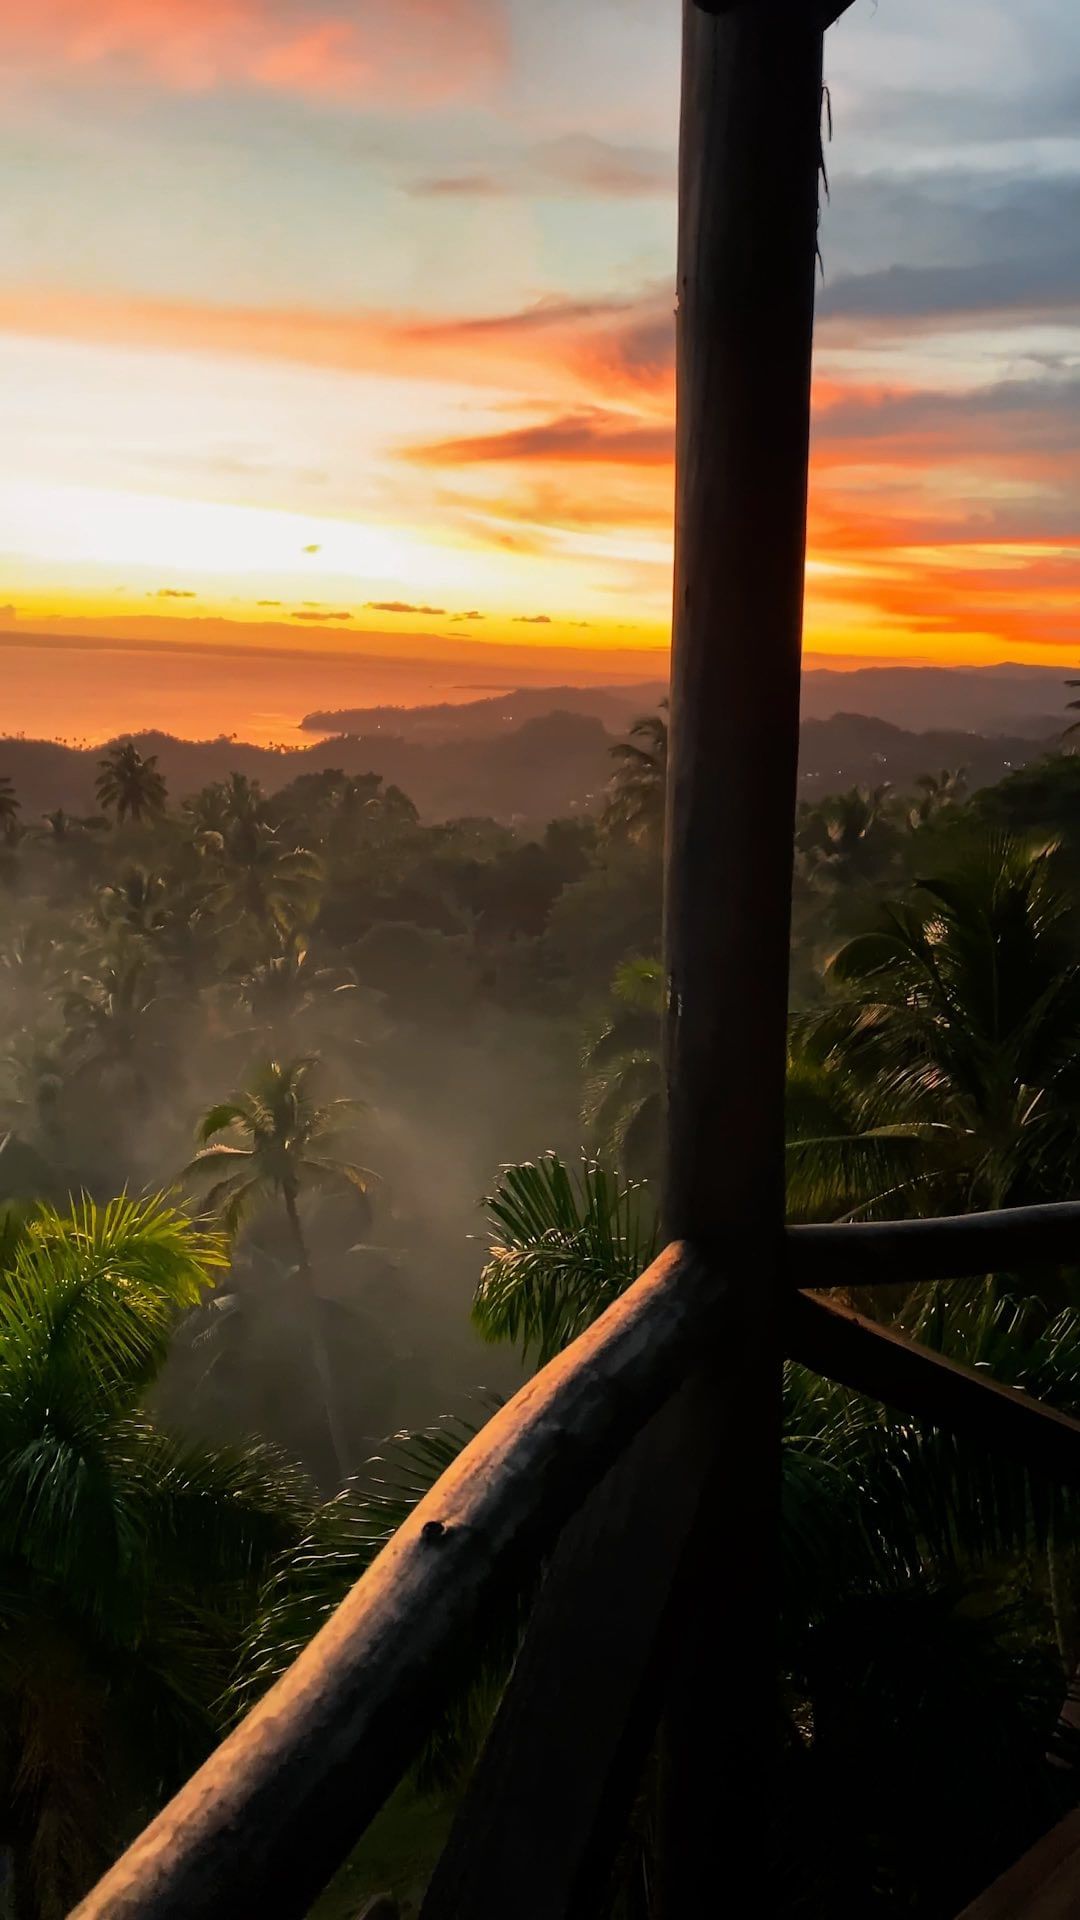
(419,50)
(614,349)
(933,513)
(593,436)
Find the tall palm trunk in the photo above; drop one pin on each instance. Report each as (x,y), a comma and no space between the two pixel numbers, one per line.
(319,1355)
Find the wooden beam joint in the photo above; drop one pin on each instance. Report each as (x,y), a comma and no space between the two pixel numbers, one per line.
(888,1366)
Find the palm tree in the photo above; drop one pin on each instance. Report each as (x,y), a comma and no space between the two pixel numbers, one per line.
(958,1014)
(353,798)
(847,837)
(244,800)
(138,901)
(129,785)
(275,886)
(208,810)
(635,806)
(843,1156)
(846,1157)
(290,990)
(937,793)
(278,1144)
(132,1560)
(117,1025)
(623,1104)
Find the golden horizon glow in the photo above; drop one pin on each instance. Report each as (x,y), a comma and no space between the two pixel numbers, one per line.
(310,341)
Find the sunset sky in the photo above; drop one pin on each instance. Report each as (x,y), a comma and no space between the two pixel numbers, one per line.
(340,317)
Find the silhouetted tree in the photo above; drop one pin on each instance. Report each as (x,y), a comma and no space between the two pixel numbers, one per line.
(129,785)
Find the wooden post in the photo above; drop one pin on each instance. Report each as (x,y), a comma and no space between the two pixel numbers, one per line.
(748,192)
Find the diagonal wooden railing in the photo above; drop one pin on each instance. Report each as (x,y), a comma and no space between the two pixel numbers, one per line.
(269,1818)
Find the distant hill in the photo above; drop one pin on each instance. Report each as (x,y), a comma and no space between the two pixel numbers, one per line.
(988,700)
(854,749)
(1007,699)
(555,764)
(616,707)
(552,765)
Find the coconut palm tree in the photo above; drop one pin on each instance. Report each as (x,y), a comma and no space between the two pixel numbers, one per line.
(290,992)
(132,1560)
(351,807)
(636,795)
(846,1156)
(623,1099)
(244,800)
(843,1157)
(260,880)
(958,1014)
(208,810)
(847,838)
(118,1030)
(130,785)
(139,901)
(936,793)
(278,1143)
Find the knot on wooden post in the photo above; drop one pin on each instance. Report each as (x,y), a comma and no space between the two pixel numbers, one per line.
(432,1532)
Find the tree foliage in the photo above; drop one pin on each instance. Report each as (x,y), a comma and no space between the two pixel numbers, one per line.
(132,1559)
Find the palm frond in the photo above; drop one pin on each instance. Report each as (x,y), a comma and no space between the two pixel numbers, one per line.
(564,1248)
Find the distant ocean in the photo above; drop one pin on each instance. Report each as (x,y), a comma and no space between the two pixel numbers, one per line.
(83,695)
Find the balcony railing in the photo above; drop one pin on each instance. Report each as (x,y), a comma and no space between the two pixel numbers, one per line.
(264,1825)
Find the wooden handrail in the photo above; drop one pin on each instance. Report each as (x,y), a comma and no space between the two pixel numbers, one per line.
(267,1820)
(887,1366)
(877,1252)
(319,1755)
(544,1813)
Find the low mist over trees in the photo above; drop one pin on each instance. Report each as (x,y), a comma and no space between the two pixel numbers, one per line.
(322,1022)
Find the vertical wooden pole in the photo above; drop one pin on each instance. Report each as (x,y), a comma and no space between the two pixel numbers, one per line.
(748,191)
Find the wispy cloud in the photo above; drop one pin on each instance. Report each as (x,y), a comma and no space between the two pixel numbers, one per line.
(399,606)
(458,186)
(411,51)
(592,436)
(575,164)
(597,348)
(320,613)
